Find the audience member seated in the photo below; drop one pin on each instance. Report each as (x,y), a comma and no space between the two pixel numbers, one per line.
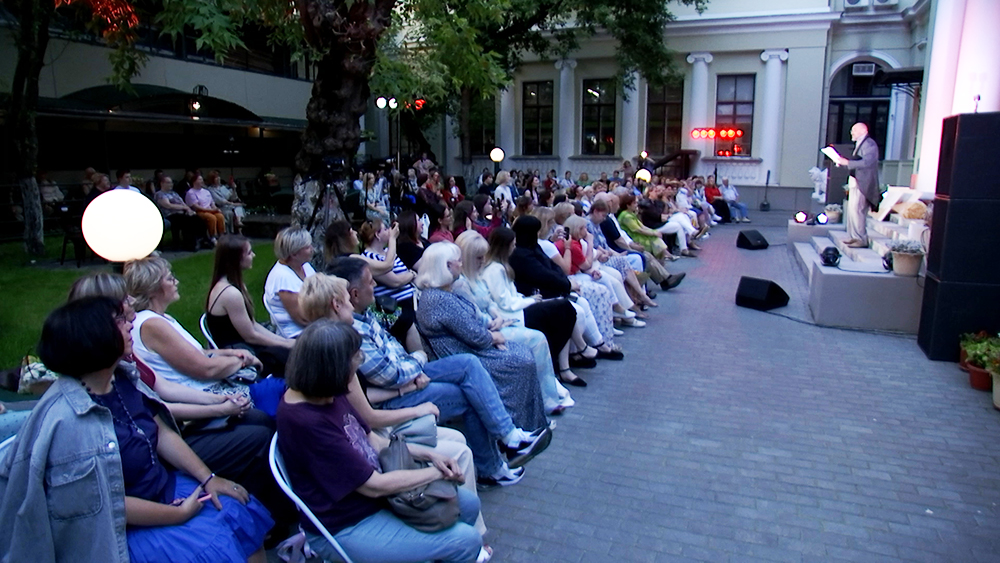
(409,244)
(227,200)
(334,467)
(123,505)
(224,430)
(342,240)
(397,284)
(185,226)
(649,239)
(230,309)
(619,241)
(173,353)
(441,223)
(200,199)
(452,326)
(577,246)
(488,217)
(543,326)
(594,300)
(326,297)
(293,249)
(458,385)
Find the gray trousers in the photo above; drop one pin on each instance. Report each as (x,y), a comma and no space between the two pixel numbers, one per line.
(857,214)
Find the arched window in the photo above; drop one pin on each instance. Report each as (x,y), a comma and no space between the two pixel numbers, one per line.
(854,97)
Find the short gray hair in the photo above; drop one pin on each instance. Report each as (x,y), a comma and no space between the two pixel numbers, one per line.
(289,241)
(434,272)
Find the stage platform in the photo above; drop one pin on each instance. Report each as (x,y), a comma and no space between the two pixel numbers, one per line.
(860,292)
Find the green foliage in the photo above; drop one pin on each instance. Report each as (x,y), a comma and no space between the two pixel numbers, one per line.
(984,353)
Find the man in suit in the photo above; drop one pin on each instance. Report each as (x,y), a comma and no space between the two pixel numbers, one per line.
(864,192)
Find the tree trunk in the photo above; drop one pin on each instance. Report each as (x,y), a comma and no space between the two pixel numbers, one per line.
(34,17)
(348,34)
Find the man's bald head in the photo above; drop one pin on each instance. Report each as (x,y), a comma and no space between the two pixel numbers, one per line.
(859,131)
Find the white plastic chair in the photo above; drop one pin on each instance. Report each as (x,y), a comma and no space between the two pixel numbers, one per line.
(274,324)
(203,322)
(281,476)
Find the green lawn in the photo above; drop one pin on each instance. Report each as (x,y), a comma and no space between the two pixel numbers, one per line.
(30,291)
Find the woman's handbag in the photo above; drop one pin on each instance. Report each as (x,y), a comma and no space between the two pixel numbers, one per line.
(428,508)
(421,430)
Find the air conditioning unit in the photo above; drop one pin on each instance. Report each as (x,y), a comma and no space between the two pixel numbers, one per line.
(863,69)
(856,4)
(885,3)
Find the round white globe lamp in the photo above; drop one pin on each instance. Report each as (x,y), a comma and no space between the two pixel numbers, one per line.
(392,103)
(496,155)
(122,225)
(643,175)
(380,102)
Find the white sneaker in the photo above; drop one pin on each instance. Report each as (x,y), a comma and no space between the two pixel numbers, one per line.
(626,315)
(567,402)
(716,218)
(617,332)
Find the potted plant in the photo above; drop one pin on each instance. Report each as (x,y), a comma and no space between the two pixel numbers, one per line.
(964,340)
(978,356)
(907,255)
(834,212)
(992,355)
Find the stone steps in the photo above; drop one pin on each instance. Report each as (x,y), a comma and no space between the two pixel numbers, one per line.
(859,292)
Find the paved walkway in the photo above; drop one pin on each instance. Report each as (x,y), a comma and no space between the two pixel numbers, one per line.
(729,434)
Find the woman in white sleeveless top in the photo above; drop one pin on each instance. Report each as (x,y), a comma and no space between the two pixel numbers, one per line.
(173,353)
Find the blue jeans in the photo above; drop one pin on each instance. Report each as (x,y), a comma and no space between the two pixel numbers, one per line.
(738,206)
(384,538)
(461,386)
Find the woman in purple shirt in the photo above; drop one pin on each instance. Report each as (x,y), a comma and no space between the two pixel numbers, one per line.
(200,199)
(333,465)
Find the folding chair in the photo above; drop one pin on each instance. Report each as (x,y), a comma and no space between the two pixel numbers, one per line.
(270,313)
(281,476)
(203,322)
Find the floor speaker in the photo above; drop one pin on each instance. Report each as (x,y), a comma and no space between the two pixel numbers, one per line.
(751,240)
(952,308)
(760,294)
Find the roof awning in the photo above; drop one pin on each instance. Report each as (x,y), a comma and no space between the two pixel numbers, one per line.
(158,104)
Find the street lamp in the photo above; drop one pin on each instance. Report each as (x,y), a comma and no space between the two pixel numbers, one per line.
(644,175)
(381,102)
(496,155)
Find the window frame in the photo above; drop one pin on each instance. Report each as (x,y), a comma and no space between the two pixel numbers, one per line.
(607,116)
(736,119)
(673,97)
(534,126)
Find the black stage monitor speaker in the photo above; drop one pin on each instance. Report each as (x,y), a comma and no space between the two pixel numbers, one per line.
(751,240)
(760,294)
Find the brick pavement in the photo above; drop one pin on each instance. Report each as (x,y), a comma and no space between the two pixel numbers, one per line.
(732,435)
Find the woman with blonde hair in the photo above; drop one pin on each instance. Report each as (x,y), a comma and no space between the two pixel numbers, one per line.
(503,191)
(452,325)
(293,248)
(525,322)
(172,352)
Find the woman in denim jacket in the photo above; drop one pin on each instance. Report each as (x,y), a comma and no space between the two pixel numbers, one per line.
(85,479)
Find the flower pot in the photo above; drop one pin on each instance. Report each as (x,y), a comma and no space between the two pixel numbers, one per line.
(906,264)
(833,216)
(996,391)
(962,356)
(980,379)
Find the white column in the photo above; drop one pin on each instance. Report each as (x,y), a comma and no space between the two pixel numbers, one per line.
(698,107)
(897,135)
(566,118)
(507,134)
(939,88)
(629,145)
(770,129)
(978,73)
(452,147)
